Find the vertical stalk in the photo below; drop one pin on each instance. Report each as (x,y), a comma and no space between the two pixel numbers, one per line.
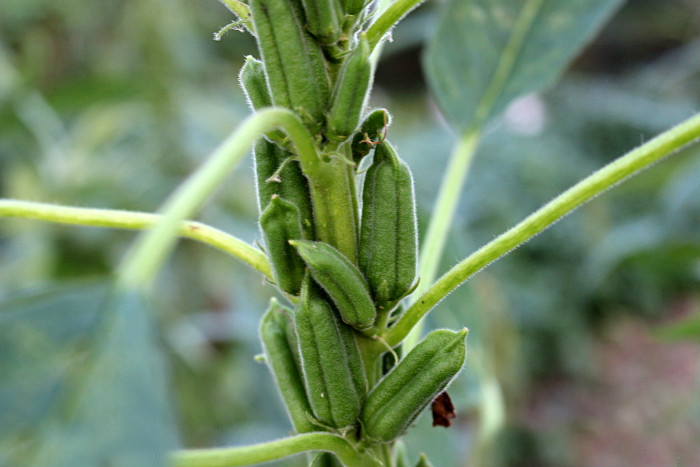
(335,207)
(370,350)
(443,213)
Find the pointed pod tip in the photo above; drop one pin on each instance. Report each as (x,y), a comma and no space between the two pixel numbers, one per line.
(299,243)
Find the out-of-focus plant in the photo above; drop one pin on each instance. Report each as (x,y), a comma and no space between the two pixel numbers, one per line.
(345,352)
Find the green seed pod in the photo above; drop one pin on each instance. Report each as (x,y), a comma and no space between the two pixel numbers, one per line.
(277,174)
(388,239)
(280,346)
(335,379)
(412,384)
(252,80)
(294,63)
(341,280)
(373,131)
(323,19)
(280,222)
(350,93)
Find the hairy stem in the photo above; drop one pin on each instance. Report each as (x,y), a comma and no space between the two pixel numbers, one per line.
(388,19)
(144,259)
(277,449)
(116,219)
(587,189)
(241,10)
(441,220)
(335,206)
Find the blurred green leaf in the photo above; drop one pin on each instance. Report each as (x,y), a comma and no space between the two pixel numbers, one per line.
(39,335)
(687,329)
(82,381)
(485,54)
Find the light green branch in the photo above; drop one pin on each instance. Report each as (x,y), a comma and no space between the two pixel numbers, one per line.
(277,449)
(587,189)
(388,19)
(117,219)
(144,259)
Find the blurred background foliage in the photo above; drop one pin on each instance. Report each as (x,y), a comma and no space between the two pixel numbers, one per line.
(583,342)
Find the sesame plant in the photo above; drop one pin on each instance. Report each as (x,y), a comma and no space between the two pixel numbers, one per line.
(339,241)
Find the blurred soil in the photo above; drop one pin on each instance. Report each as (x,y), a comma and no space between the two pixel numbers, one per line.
(642,409)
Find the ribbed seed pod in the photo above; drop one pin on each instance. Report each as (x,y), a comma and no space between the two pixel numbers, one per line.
(334,377)
(350,93)
(372,131)
(289,183)
(412,384)
(281,222)
(281,355)
(388,252)
(341,280)
(254,84)
(294,63)
(324,19)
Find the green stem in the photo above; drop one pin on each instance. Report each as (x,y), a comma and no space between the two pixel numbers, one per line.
(381,7)
(241,10)
(277,449)
(143,260)
(335,205)
(492,416)
(588,188)
(370,350)
(441,220)
(388,19)
(116,219)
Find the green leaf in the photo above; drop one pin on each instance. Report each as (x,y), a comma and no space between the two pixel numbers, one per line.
(81,381)
(686,329)
(486,53)
(40,332)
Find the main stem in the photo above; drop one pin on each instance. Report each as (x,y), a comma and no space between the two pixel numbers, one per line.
(587,189)
(335,209)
